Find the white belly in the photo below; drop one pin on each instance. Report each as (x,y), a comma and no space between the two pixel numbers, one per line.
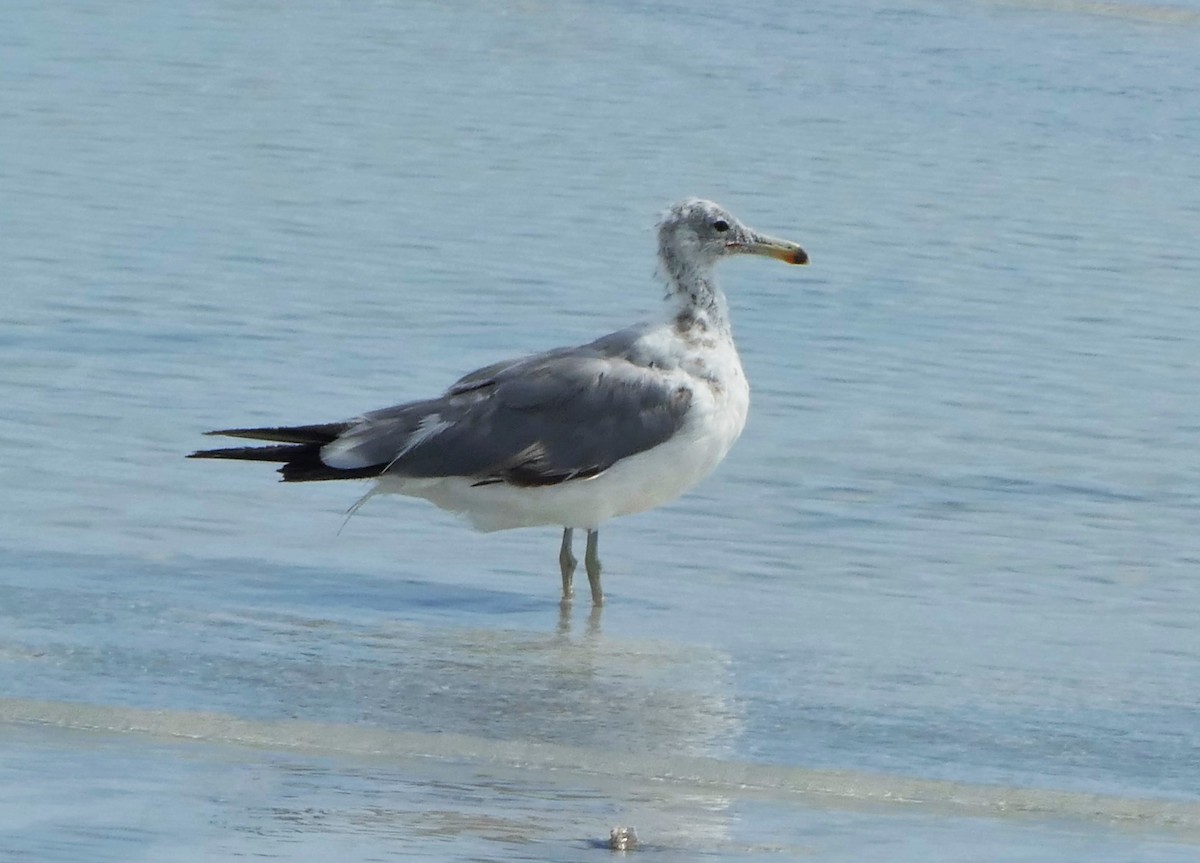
(715,419)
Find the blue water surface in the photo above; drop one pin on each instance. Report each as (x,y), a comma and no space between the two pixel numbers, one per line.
(956,544)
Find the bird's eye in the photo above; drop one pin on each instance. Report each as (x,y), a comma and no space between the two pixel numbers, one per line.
(721,226)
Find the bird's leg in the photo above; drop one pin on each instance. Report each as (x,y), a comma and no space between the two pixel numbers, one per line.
(566,562)
(591,561)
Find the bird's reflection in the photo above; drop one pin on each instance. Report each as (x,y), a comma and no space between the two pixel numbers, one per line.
(592,627)
(545,677)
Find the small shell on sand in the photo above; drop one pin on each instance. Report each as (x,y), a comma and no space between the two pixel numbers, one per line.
(622,839)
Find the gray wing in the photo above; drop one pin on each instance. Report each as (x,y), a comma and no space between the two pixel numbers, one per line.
(621,345)
(561,415)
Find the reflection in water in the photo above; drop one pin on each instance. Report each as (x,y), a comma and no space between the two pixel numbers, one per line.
(593,620)
(569,683)
(572,685)
(501,722)
(465,781)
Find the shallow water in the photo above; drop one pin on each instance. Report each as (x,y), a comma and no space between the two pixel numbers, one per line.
(941,597)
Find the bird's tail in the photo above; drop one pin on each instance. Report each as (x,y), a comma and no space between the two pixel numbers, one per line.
(297,448)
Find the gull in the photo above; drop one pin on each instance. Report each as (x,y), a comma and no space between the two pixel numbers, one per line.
(570,437)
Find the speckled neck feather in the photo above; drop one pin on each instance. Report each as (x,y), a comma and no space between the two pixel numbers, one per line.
(693,295)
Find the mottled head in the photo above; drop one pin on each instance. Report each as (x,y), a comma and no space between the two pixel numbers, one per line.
(692,236)
(695,234)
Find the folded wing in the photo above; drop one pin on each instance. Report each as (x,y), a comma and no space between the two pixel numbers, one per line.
(563,415)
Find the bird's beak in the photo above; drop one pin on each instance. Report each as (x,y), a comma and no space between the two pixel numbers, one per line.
(772,247)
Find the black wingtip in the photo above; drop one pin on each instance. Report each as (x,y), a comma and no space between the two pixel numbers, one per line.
(322,433)
(301,462)
(208,453)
